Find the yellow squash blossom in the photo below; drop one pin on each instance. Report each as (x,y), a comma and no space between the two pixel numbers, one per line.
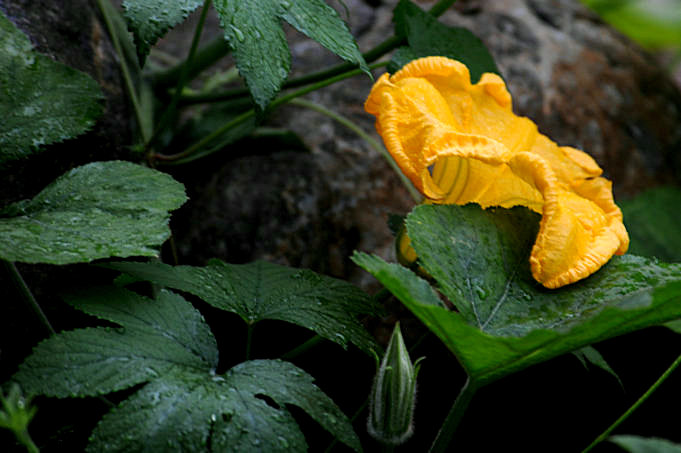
(461,143)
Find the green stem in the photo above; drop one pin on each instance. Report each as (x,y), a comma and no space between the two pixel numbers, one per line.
(387,448)
(251,113)
(207,139)
(302,348)
(604,435)
(440,7)
(322,75)
(372,142)
(321,84)
(249,340)
(381,49)
(26,440)
(446,433)
(170,110)
(27,295)
(127,77)
(204,58)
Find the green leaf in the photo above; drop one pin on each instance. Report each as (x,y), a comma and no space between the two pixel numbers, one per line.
(591,355)
(401,57)
(151,19)
(42,101)
(156,337)
(253,30)
(260,290)
(98,210)
(184,405)
(637,444)
(505,320)
(428,37)
(187,412)
(653,222)
(674,326)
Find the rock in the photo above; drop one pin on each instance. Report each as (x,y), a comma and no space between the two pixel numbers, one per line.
(584,84)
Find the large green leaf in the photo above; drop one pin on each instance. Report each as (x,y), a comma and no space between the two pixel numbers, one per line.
(653,221)
(184,405)
(505,320)
(41,101)
(151,19)
(253,29)
(99,210)
(428,37)
(260,290)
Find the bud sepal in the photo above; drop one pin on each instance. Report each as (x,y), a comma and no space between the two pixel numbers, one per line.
(393,395)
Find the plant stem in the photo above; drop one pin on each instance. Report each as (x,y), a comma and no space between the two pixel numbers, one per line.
(249,340)
(373,143)
(251,113)
(204,58)
(170,110)
(446,433)
(381,49)
(604,435)
(440,7)
(207,139)
(27,295)
(321,84)
(302,348)
(324,74)
(26,440)
(387,448)
(127,77)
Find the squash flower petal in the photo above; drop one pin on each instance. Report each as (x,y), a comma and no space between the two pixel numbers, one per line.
(461,143)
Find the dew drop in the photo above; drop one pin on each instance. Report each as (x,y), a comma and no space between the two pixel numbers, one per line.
(238,33)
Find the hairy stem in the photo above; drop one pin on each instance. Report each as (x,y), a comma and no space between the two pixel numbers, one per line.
(302,348)
(27,295)
(249,340)
(373,143)
(604,435)
(448,428)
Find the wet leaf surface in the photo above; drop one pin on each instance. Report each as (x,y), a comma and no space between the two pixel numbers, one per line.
(98,210)
(253,30)
(260,290)
(41,101)
(183,406)
(505,321)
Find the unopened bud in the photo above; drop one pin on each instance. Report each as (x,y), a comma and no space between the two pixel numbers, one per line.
(393,395)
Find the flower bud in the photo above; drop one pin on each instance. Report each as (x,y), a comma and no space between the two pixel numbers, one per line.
(393,395)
